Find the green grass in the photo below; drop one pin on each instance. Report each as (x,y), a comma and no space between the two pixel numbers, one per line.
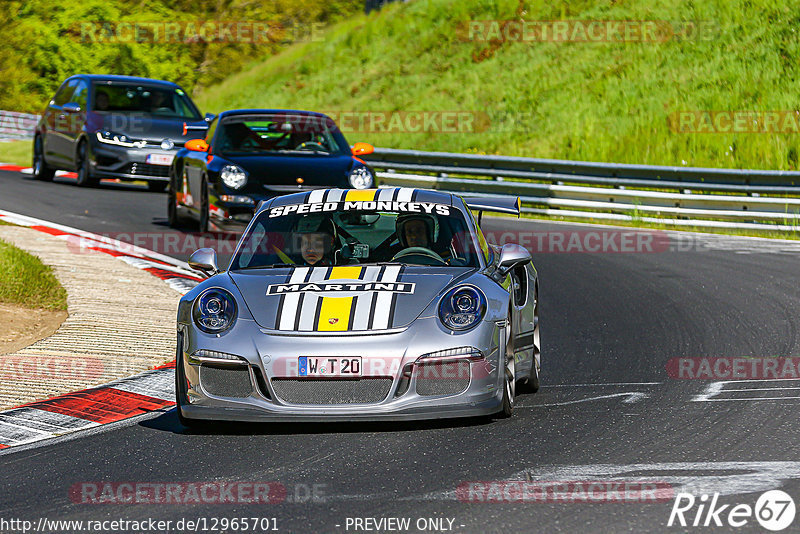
(581,101)
(17,152)
(26,281)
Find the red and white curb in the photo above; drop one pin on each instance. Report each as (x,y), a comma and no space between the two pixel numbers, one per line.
(29,170)
(122,399)
(81,410)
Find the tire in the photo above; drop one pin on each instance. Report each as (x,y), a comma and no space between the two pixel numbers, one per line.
(203,225)
(510,382)
(173,218)
(40,169)
(157,187)
(85,177)
(531,382)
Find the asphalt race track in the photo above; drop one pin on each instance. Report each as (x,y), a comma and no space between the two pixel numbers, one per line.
(608,409)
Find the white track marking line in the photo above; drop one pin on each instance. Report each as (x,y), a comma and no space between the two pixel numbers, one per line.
(718,388)
(634,396)
(603,384)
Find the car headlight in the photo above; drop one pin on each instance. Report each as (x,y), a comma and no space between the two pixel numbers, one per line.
(361,178)
(233,176)
(119,139)
(462,308)
(214,311)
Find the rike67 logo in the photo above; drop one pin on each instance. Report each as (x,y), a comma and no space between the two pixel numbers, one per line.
(774,510)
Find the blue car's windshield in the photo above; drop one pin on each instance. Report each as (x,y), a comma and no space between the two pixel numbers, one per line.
(277,134)
(358,233)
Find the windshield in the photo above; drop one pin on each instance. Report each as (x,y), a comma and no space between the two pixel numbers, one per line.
(279,134)
(357,233)
(161,101)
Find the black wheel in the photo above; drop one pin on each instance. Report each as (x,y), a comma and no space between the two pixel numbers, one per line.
(510,381)
(85,177)
(157,187)
(204,212)
(531,382)
(173,218)
(40,169)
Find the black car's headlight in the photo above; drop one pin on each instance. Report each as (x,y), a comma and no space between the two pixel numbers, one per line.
(214,311)
(233,176)
(462,308)
(361,178)
(119,139)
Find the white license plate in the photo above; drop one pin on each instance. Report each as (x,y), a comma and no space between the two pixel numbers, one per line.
(329,366)
(159,159)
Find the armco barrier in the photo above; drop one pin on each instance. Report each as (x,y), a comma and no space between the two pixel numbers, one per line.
(675,195)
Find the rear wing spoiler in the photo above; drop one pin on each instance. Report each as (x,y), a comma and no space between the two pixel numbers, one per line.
(496,204)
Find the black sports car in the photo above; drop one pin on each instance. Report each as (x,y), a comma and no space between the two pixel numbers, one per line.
(115,127)
(255,154)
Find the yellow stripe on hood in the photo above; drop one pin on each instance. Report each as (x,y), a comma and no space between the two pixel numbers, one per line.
(334,314)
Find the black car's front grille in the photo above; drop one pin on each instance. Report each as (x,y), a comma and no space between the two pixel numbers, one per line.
(332,391)
(147,169)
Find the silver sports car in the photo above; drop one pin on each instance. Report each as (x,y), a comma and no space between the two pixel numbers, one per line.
(360,305)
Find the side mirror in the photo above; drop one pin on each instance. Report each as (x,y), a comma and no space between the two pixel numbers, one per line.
(209,117)
(362,149)
(205,261)
(197,145)
(71,107)
(512,255)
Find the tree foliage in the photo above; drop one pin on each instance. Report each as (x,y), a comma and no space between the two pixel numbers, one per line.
(45,42)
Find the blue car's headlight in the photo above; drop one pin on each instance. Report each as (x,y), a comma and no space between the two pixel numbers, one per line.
(462,308)
(214,311)
(361,178)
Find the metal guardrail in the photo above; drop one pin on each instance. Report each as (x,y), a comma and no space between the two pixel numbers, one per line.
(687,196)
(15,125)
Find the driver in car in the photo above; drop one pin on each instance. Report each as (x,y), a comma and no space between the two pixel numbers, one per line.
(418,230)
(317,239)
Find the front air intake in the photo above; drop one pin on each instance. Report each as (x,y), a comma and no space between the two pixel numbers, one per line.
(226,382)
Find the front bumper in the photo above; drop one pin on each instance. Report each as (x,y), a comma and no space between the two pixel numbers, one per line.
(271,357)
(112,161)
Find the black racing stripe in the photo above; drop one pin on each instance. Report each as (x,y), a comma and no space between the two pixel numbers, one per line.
(325,195)
(396,192)
(306,197)
(393,305)
(300,301)
(317,313)
(299,309)
(352,313)
(282,299)
(414,196)
(318,310)
(373,298)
